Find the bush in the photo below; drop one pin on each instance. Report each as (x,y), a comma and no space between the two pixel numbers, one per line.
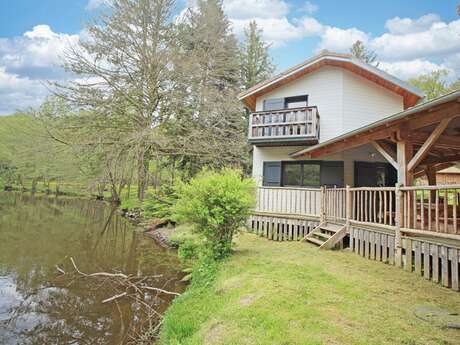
(217,204)
(130,204)
(159,204)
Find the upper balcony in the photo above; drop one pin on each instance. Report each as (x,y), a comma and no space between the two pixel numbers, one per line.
(296,126)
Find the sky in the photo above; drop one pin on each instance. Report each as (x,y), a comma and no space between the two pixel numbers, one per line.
(410,37)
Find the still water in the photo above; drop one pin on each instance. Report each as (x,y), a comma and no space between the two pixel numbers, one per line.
(39,305)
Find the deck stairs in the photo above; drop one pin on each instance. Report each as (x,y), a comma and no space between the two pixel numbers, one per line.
(326,235)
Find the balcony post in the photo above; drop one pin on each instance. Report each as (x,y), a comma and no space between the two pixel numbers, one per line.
(399,223)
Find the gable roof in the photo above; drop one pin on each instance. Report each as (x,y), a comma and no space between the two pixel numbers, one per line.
(410,94)
(451,170)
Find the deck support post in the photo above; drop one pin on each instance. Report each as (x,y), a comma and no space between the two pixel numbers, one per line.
(349,208)
(404,153)
(399,223)
(322,204)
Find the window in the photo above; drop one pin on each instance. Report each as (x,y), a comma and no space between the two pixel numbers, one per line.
(311,175)
(273,104)
(285,103)
(305,174)
(296,102)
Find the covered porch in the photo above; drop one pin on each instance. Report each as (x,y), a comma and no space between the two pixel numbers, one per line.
(408,225)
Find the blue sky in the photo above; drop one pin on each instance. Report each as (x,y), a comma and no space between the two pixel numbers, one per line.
(410,37)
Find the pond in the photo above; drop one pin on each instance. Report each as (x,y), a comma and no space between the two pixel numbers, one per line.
(43,300)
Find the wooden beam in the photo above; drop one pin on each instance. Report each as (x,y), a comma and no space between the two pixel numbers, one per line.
(447,141)
(389,156)
(404,154)
(421,154)
(443,159)
(437,167)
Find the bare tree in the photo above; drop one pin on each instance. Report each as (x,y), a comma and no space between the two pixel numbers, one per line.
(124,75)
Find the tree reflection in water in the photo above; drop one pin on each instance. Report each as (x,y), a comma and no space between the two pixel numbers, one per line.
(39,306)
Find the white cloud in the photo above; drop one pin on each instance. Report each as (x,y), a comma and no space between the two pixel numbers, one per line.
(19,93)
(37,53)
(95,4)
(249,9)
(311,27)
(412,68)
(401,26)
(26,62)
(309,7)
(276,31)
(337,39)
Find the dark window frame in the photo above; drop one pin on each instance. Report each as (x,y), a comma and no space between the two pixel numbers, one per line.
(302,164)
(293,99)
(284,101)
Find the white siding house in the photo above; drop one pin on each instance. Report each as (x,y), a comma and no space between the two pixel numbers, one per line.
(316,101)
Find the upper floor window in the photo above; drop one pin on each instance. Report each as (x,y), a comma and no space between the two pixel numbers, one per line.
(285,103)
(296,102)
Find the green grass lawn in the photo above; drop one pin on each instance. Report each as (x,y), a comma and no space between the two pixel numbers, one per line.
(293,293)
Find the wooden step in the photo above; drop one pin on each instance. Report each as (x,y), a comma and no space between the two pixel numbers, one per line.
(330,229)
(315,241)
(322,235)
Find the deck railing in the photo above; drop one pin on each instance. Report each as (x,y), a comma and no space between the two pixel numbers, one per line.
(335,200)
(294,201)
(375,205)
(431,208)
(300,124)
(420,209)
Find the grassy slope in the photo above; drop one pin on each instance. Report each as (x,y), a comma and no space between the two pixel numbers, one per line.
(293,293)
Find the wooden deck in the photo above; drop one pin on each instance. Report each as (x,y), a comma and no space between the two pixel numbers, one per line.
(416,228)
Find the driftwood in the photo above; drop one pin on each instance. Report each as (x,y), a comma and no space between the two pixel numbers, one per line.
(129,287)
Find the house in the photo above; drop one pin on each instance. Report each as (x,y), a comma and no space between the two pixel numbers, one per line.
(364,137)
(446,176)
(316,101)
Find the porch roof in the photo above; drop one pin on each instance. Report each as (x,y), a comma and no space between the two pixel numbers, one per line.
(416,125)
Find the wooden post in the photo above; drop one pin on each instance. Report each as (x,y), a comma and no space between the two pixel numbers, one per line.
(398,222)
(431,177)
(349,204)
(322,211)
(348,210)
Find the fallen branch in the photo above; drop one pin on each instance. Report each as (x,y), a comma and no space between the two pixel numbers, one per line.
(159,290)
(60,270)
(114,297)
(98,274)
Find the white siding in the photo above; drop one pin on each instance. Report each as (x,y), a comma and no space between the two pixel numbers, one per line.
(324,90)
(364,153)
(365,102)
(345,102)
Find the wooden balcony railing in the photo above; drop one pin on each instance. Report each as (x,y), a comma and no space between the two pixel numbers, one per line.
(286,125)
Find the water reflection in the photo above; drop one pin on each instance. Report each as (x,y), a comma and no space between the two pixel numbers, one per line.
(38,306)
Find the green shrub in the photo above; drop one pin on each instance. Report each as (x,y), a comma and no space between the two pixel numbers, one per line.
(159,204)
(130,204)
(217,204)
(189,250)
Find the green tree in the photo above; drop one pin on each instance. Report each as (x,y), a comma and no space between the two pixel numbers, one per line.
(359,51)
(432,84)
(208,122)
(256,64)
